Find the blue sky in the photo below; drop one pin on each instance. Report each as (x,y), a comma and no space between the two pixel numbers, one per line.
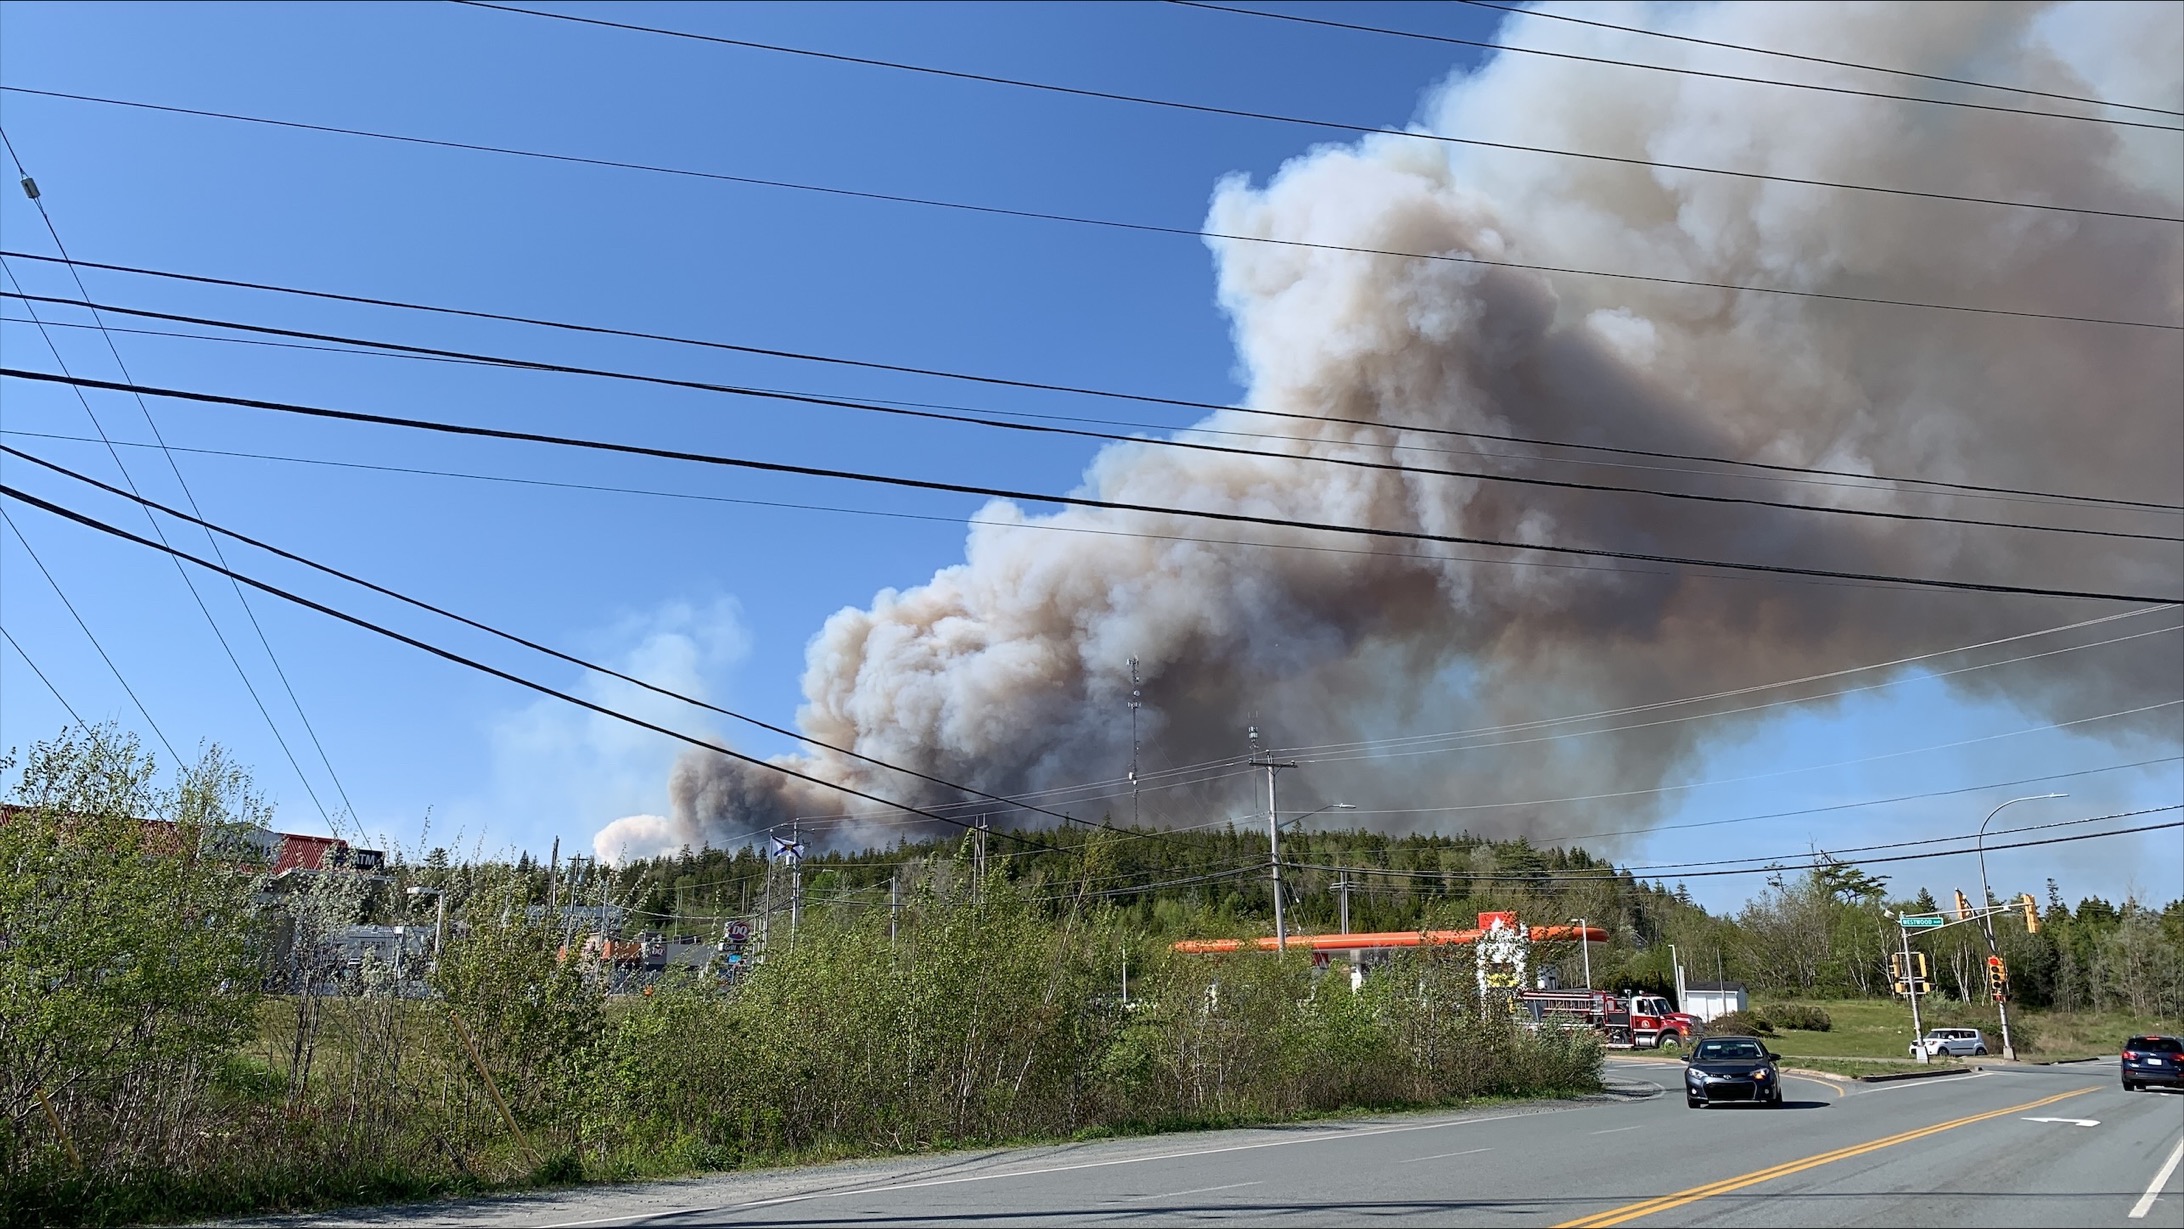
(715,595)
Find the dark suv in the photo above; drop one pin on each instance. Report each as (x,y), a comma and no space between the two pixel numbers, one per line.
(2153,1060)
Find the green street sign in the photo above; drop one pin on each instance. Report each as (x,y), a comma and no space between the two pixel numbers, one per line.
(1915,923)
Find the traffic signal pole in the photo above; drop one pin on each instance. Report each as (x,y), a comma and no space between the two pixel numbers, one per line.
(1998,977)
(1918,1030)
(1997,983)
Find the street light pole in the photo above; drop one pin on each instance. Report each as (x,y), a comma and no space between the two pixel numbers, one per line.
(1986,916)
(1584,939)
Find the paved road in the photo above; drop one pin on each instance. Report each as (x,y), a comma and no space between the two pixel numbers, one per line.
(1959,1150)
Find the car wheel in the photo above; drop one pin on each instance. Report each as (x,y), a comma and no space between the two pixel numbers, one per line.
(1668,1041)
(1695,1103)
(2128,1086)
(1979,1051)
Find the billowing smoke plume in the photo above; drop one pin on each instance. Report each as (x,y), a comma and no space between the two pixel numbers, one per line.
(1008,670)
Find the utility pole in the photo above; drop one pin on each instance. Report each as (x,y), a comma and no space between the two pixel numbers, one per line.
(553,872)
(894,904)
(1136,698)
(796,877)
(1267,761)
(978,893)
(1342,895)
(1584,938)
(765,916)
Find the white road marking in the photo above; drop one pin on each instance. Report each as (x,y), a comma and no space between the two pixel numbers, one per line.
(1442,1156)
(1195,1191)
(1830,1085)
(1613,1130)
(2076,1122)
(887,1188)
(2153,1189)
(1927,1083)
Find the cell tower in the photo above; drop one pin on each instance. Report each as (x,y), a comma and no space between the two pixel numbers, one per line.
(1137,699)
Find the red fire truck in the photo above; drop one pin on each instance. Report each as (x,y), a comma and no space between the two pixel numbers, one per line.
(1626,1021)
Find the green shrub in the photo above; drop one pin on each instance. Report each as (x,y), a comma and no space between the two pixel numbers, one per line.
(1798,1016)
(1740,1024)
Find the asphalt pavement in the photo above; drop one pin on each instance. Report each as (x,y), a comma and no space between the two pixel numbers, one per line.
(2033,1146)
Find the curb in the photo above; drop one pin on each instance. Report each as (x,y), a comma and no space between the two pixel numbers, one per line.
(1810,1074)
(1934,1073)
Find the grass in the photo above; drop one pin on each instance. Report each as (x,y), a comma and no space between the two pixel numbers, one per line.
(1880,1031)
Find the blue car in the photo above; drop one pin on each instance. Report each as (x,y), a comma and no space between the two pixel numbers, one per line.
(2152,1060)
(1731,1069)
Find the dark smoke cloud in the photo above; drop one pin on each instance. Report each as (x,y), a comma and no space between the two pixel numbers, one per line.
(1007,670)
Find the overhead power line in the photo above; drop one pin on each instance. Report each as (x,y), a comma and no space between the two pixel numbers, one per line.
(73,715)
(1156,775)
(1664,68)
(958,521)
(1770,862)
(535,646)
(1082,501)
(1777,865)
(951,415)
(1020,803)
(34,501)
(1151,228)
(1298,121)
(89,635)
(53,231)
(1078,390)
(1413,746)
(218,633)
(1875,802)
(1548,15)
(1833,855)
(1130,424)
(1750,689)
(1778,772)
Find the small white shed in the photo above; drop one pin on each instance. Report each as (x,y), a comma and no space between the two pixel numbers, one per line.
(1708,999)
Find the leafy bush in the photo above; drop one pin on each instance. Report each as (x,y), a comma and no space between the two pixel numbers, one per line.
(1740,1024)
(1798,1016)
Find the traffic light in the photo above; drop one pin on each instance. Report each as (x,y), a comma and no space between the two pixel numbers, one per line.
(1964,907)
(2032,914)
(1998,978)
(1899,967)
(1918,966)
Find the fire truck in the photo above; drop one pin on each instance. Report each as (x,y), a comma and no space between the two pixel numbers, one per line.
(1626,1021)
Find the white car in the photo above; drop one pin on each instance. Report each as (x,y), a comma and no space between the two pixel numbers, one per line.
(1959,1042)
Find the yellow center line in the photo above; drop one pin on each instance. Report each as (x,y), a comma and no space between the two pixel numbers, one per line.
(1662,1203)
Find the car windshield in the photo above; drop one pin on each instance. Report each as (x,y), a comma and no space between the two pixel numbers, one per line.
(2158,1045)
(1730,1048)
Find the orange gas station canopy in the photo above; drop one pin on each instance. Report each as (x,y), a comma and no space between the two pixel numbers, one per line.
(1386,938)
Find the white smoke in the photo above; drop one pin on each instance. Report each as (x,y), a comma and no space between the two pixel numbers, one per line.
(1007,671)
